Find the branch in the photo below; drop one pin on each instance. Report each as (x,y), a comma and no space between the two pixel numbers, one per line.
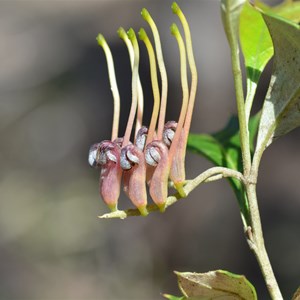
(209,175)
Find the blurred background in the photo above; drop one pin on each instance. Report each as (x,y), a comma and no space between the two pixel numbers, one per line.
(55,101)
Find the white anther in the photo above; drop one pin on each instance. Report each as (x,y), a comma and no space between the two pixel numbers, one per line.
(168,136)
(152,156)
(133,158)
(92,157)
(124,163)
(111,156)
(140,141)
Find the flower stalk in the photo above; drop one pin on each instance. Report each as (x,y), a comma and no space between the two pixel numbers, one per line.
(253,227)
(212,174)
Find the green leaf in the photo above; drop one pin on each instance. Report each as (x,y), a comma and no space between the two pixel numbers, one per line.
(281,110)
(224,149)
(257,49)
(215,285)
(297,295)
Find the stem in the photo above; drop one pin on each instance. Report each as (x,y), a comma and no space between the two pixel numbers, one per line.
(244,134)
(230,13)
(256,243)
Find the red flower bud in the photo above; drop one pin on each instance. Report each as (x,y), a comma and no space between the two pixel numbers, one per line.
(177,171)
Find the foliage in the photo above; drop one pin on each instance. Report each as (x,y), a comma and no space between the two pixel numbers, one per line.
(281,110)
(224,149)
(214,285)
(263,32)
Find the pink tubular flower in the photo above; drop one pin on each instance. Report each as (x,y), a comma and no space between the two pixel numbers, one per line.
(106,155)
(157,156)
(157,153)
(132,157)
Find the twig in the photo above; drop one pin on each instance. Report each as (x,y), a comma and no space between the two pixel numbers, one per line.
(209,175)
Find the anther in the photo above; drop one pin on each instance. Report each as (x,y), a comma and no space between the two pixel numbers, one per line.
(169,132)
(141,138)
(152,156)
(93,153)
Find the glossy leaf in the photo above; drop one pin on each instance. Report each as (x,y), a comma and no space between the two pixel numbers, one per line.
(215,285)
(256,46)
(281,110)
(224,149)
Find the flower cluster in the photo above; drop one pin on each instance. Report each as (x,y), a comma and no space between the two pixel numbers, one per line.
(157,154)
